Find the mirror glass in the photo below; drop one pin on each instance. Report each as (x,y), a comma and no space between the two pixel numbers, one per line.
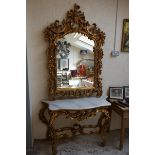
(75,61)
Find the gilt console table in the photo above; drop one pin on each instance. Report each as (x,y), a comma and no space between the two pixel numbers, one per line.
(78,109)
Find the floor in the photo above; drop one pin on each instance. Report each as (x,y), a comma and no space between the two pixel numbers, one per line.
(84,145)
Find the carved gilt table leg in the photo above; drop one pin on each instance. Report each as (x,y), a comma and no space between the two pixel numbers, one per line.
(43,118)
(110,113)
(104,123)
(53,134)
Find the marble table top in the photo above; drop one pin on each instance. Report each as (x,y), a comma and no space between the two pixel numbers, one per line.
(77,104)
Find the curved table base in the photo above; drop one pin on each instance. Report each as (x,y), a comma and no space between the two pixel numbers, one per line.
(54,134)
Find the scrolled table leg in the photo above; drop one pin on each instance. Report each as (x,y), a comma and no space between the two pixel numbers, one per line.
(54,137)
(42,113)
(103,124)
(43,118)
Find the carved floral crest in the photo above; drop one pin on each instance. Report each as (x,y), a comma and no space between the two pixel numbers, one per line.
(74,22)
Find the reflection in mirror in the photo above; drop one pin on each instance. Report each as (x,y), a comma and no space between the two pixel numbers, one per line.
(75,61)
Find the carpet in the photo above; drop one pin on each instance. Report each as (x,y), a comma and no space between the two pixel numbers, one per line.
(84,145)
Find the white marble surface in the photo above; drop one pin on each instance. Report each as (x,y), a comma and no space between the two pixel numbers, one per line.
(77,104)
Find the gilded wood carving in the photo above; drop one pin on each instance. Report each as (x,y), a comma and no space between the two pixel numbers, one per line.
(80,115)
(74,22)
(65,132)
(56,134)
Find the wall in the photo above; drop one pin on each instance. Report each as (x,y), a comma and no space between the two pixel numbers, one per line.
(40,14)
(75,57)
(29,143)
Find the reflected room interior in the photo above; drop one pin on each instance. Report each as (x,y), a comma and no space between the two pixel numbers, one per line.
(75,61)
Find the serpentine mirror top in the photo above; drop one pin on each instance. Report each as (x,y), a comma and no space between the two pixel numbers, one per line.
(75,61)
(74,57)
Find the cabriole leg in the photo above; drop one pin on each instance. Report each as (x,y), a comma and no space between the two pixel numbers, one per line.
(103,123)
(53,134)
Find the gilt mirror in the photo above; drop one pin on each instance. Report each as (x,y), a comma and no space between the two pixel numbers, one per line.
(74,57)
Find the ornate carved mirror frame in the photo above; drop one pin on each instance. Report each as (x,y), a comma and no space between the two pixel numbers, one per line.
(74,22)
